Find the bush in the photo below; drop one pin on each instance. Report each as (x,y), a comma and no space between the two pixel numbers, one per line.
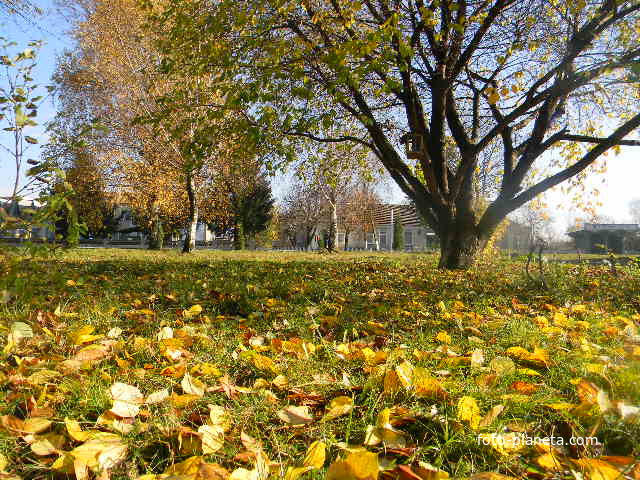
(398,235)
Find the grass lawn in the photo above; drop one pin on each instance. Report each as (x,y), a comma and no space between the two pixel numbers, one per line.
(129,364)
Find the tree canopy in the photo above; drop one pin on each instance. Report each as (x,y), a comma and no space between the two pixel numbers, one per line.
(552,84)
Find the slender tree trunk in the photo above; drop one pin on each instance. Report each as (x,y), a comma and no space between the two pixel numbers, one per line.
(376,241)
(18,159)
(346,239)
(309,238)
(238,236)
(156,234)
(156,237)
(190,238)
(333,228)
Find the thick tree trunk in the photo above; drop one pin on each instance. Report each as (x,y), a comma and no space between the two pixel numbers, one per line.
(190,237)
(459,248)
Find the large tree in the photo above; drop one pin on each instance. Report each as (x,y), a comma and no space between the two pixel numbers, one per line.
(551,84)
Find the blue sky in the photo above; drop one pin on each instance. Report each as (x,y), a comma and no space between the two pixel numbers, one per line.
(618,187)
(50,27)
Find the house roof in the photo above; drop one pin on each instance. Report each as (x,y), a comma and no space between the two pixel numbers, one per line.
(408,215)
(605,227)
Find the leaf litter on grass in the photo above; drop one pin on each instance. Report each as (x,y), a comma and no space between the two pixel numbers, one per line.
(345,370)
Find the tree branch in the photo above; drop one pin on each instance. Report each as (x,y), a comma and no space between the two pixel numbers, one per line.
(501,207)
(587,139)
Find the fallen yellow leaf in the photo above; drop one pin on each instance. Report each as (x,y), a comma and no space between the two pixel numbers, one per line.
(339,406)
(360,465)
(468,411)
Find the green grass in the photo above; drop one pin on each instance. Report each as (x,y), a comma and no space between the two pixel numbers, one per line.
(251,301)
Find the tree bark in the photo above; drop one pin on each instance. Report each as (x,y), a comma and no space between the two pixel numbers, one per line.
(156,236)
(156,233)
(309,238)
(238,236)
(190,237)
(460,247)
(333,228)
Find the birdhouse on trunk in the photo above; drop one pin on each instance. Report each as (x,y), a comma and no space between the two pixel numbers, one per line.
(412,144)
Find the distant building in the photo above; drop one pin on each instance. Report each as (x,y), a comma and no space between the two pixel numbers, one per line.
(20,210)
(604,237)
(374,235)
(516,238)
(417,236)
(126,230)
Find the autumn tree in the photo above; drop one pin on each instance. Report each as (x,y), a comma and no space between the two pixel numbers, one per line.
(526,77)
(256,209)
(302,212)
(334,169)
(244,188)
(367,204)
(93,203)
(536,217)
(163,162)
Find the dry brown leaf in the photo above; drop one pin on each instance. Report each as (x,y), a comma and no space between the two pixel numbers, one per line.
(295,415)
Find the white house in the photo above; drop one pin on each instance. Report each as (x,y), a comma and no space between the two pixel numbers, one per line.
(377,234)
